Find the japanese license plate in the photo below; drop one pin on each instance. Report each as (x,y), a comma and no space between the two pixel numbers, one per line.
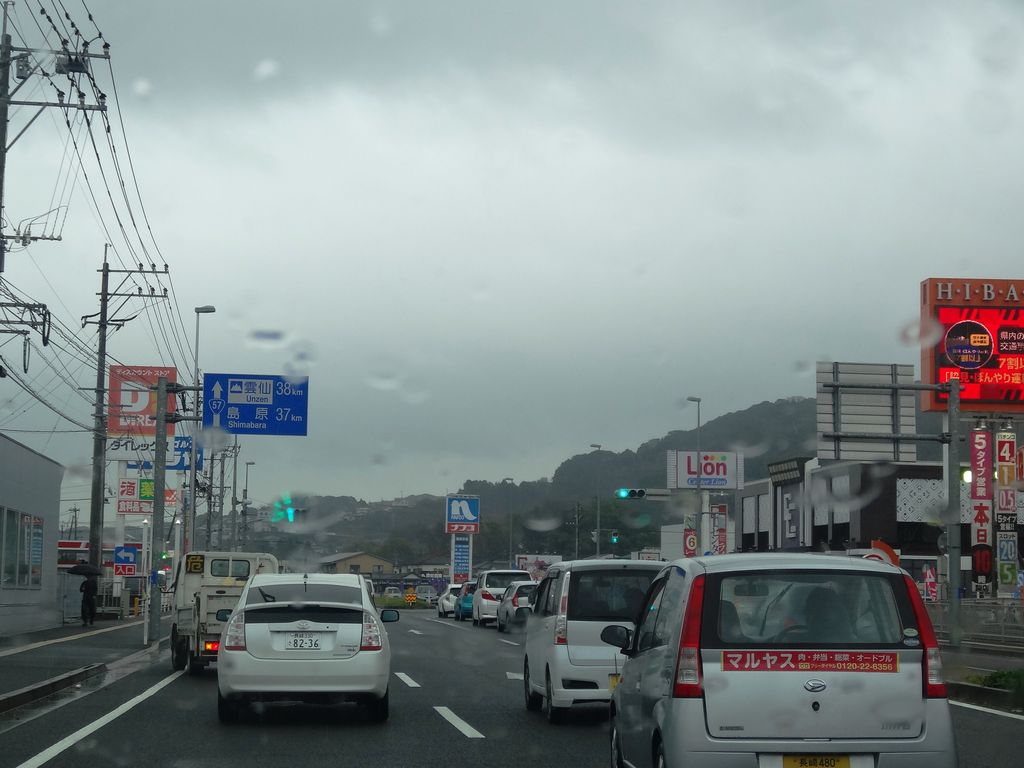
(613,681)
(815,761)
(303,641)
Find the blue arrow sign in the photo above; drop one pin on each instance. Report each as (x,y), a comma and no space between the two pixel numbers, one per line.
(177,459)
(124,556)
(254,404)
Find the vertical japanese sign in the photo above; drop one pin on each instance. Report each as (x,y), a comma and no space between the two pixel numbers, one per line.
(720,516)
(1006,511)
(981,505)
(462,558)
(689,542)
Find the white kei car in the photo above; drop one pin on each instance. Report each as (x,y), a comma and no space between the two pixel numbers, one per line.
(307,637)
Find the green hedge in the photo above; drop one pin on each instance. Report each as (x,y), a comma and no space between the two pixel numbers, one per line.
(1007,679)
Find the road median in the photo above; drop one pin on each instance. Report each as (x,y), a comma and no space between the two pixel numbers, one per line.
(37,691)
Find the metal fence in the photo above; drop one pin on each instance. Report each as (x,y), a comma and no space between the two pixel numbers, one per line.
(996,623)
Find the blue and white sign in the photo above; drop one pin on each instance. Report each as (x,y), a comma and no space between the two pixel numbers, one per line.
(253,404)
(125,556)
(177,458)
(462,514)
(462,558)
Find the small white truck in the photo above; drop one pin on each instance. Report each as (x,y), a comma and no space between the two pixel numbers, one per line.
(206,582)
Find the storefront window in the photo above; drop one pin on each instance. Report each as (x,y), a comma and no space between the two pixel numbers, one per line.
(21,551)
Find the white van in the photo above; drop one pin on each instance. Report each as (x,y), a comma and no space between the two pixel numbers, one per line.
(490,586)
(565,661)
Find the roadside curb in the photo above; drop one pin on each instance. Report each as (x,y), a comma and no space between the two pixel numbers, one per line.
(30,693)
(995,698)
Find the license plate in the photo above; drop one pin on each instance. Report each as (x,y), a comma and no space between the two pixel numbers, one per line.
(815,761)
(303,641)
(613,681)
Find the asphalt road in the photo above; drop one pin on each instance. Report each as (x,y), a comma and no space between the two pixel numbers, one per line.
(469,671)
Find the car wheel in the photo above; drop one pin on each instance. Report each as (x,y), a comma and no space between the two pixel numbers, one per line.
(616,746)
(533,700)
(476,621)
(228,710)
(179,650)
(501,627)
(659,756)
(378,709)
(551,712)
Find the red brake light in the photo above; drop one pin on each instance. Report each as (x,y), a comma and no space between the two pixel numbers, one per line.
(931,661)
(688,669)
(211,646)
(515,601)
(488,596)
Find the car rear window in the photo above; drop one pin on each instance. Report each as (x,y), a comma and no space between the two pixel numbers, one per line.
(526,589)
(801,608)
(504,580)
(470,588)
(322,614)
(238,569)
(300,592)
(612,595)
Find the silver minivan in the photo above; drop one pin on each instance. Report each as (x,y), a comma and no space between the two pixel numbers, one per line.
(565,661)
(784,660)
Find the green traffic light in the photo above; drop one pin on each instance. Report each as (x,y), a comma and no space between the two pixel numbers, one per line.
(622,493)
(615,537)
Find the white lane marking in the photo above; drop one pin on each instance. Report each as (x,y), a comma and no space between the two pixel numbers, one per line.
(507,642)
(464,728)
(51,752)
(415,632)
(450,624)
(42,643)
(986,710)
(407,680)
(514,675)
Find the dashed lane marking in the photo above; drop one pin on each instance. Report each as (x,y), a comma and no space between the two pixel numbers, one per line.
(461,725)
(986,710)
(507,642)
(415,632)
(407,680)
(449,624)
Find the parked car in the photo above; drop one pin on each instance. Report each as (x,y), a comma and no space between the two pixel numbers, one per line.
(515,604)
(427,593)
(306,637)
(464,601)
(490,586)
(565,660)
(392,592)
(803,658)
(446,601)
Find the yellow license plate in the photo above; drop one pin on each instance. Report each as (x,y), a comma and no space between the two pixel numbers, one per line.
(815,761)
(613,681)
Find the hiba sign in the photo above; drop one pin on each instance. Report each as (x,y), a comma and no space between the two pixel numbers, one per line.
(972,330)
(708,470)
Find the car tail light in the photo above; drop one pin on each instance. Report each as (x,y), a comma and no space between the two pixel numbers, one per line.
(234,633)
(371,640)
(562,623)
(515,601)
(688,672)
(485,595)
(934,688)
(211,646)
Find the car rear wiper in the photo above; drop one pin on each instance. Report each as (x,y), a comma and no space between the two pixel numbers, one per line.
(266,598)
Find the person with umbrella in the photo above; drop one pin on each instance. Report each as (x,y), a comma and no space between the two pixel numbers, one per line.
(88,588)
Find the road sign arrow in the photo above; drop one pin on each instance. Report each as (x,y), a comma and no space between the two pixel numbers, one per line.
(217,390)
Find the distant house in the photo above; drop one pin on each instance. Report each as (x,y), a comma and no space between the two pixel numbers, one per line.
(356,562)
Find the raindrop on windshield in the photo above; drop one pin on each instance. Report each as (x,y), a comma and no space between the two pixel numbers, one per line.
(214,439)
(266,338)
(921,334)
(266,69)
(542,523)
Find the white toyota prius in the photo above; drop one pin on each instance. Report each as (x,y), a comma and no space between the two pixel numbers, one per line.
(304,637)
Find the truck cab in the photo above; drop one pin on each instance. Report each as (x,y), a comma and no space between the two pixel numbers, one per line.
(205,583)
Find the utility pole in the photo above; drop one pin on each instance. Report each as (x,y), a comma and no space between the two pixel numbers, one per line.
(234,499)
(577,555)
(99,440)
(67,62)
(220,502)
(159,483)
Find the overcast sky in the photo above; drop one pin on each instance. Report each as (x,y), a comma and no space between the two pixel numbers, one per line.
(494,234)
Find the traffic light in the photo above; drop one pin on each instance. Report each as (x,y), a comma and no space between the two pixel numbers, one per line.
(631,493)
(593,536)
(283,510)
(615,537)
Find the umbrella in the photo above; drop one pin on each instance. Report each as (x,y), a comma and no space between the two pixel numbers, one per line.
(85,569)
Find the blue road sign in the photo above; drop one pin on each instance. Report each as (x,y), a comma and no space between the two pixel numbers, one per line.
(125,555)
(177,459)
(461,565)
(254,404)
(462,514)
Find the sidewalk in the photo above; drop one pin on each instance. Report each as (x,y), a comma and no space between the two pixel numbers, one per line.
(34,657)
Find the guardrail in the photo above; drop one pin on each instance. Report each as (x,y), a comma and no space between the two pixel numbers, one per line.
(984,623)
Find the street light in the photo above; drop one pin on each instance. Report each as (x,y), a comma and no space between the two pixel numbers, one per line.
(597,542)
(700,479)
(190,529)
(508,517)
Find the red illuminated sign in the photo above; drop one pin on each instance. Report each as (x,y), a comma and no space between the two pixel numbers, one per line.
(973,331)
(809,661)
(132,401)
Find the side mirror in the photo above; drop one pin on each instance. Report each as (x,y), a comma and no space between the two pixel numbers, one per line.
(223,614)
(388,615)
(617,635)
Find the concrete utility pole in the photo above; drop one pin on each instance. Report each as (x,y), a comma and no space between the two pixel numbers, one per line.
(220,502)
(99,440)
(159,483)
(234,498)
(67,62)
